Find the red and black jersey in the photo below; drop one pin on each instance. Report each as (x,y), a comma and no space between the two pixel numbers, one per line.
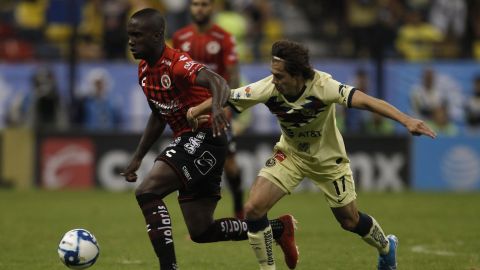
(215,48)
(170,87)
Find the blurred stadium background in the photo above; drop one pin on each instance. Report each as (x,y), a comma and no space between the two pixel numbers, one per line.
(71,110)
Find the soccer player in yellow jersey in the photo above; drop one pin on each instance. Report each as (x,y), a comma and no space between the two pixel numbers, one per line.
(303,99)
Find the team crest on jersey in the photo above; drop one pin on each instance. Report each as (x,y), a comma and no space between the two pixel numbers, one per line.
(270,162)
(304,147)
(248,92)
(165,80)
(213,47)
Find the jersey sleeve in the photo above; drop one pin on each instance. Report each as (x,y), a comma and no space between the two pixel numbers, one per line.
(245,97)
(336,92)
(230,56)
(186,70)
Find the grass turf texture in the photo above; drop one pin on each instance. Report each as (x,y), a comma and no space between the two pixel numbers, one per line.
(435,230)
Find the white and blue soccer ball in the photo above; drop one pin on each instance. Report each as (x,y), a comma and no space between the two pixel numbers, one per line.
(78,249)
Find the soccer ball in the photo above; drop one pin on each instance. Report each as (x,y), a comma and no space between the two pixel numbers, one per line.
(78,249)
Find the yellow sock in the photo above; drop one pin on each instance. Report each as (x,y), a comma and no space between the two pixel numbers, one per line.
(261,243)
(376,237)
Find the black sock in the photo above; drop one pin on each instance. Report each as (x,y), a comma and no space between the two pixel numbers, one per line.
(159,228)
(224,229)
(232,229)
(257,225)
(235,184)
(277,228)
(364,225)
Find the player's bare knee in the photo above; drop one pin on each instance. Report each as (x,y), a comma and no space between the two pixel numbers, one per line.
(199,238)
(148,185)
(202,234)
(139,191)
(254,211)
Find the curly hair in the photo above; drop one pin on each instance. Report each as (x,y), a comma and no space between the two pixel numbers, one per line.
(295,56)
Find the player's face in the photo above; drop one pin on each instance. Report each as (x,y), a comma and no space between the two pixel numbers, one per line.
(201,11)
(140,40)
(285,83)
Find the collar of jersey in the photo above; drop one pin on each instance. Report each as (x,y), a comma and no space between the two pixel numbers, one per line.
(306,88)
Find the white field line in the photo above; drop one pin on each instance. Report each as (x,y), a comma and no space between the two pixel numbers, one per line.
(425,250)
(130,262)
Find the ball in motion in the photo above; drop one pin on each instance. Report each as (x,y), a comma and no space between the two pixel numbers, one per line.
(78,249)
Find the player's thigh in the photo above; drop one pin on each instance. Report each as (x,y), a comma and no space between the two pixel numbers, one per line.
(161,180)
(263,196)
(338,192)
(198,214)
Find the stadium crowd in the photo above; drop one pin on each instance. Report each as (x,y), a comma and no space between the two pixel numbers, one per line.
(93,31)
(409,29)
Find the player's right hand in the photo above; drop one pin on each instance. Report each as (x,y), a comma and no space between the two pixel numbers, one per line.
(220,122)
(130,172)
(417,127)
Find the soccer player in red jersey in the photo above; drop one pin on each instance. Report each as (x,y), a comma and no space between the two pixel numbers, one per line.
(208,43)
(214,47)
(193,162)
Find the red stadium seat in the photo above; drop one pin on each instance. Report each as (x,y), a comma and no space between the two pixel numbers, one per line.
(15,50)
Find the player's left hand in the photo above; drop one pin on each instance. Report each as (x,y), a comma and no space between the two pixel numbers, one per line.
(417,127)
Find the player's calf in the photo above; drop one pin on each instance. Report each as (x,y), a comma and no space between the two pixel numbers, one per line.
(159,228)
(260,237)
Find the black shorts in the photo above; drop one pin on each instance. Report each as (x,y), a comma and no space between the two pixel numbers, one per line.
(198,159)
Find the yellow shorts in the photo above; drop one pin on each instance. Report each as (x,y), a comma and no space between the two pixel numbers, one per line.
(287,172)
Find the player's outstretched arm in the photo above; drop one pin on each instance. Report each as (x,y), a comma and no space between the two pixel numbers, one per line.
(416,127)
(153,130)
(220,93)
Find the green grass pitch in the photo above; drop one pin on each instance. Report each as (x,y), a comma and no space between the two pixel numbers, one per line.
(435,230)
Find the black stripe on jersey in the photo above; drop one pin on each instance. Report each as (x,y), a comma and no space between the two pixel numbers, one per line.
(349,101)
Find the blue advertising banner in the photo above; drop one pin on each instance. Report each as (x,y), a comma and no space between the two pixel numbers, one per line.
(453,80)
(446,163)
(125,95)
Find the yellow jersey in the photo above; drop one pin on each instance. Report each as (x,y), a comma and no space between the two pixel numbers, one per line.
(309,130)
